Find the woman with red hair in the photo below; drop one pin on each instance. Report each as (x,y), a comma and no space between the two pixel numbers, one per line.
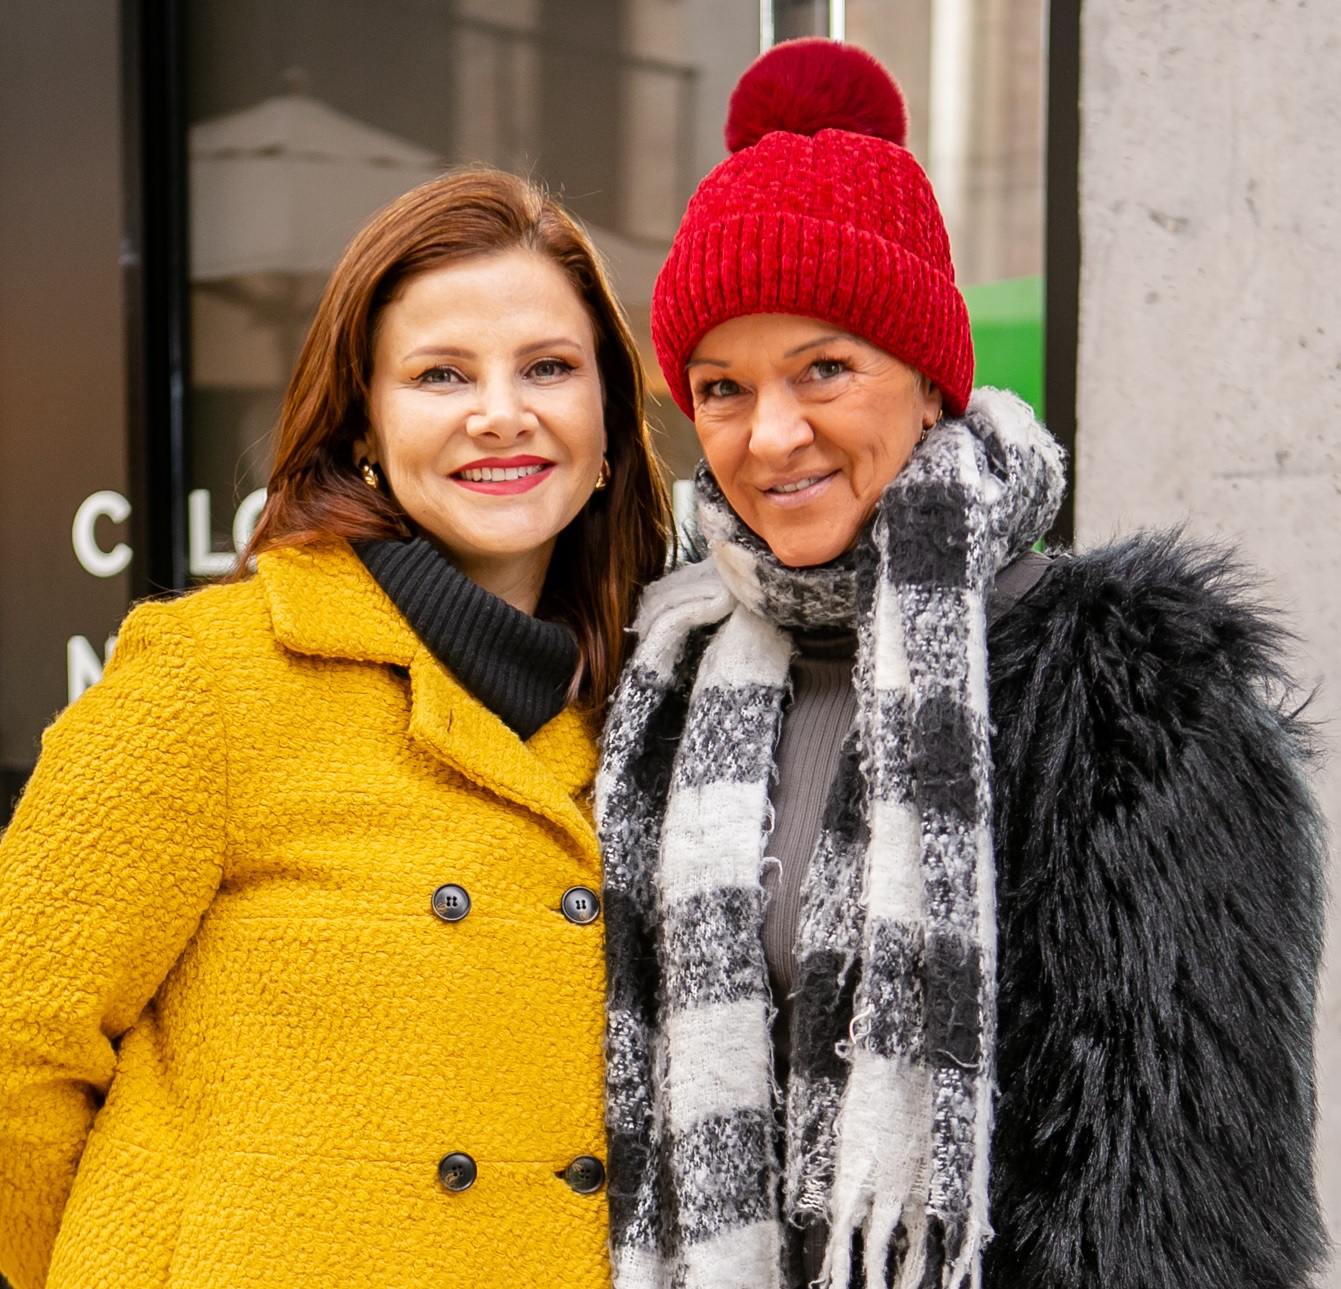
(300,942)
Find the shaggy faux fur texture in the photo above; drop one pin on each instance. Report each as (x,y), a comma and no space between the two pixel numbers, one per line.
(887,1130)
(1160,880)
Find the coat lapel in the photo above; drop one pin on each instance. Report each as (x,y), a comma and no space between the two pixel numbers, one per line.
(323,602)
(541,775)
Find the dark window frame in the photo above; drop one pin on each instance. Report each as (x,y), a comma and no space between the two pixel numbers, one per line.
(156,266)
(1062,245)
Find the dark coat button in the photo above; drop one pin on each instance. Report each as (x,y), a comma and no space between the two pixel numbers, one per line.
(457,1172)
(580,905)
(451,903)
(585,1174)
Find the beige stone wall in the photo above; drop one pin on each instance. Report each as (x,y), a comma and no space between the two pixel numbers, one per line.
(1210,331)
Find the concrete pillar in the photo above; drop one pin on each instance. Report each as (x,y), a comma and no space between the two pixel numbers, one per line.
(1210,328)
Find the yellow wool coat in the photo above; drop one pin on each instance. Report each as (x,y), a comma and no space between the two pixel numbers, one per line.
(235,1040)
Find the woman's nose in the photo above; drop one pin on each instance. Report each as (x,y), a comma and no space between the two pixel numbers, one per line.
(500,411)
(779,426)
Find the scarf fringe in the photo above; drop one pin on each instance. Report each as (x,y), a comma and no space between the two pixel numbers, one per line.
(882,1169)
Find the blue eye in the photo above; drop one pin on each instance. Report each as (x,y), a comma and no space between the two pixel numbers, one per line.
(717,389)
(828,368)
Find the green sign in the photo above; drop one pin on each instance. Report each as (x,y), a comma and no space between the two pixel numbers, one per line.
(1007,321)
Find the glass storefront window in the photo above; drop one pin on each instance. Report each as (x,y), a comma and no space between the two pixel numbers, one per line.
(307,115)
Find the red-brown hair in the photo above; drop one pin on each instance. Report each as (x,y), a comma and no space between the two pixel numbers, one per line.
(618,541)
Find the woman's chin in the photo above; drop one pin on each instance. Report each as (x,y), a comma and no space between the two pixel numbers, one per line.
(801,536)
(817,544)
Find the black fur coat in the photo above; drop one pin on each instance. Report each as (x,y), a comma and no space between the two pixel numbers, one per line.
(1160,866)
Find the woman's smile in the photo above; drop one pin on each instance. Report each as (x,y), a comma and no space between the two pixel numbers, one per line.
(504,476)
(800,492)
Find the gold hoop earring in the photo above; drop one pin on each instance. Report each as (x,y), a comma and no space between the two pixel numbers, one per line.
(926,429)
(603,479)
(372,476)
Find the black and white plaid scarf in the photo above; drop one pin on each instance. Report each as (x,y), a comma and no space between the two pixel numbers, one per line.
(887,1114)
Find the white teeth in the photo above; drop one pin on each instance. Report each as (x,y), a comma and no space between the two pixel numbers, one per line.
(797,486)
(499,474)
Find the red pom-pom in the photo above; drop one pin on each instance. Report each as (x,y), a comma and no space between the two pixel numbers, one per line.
(804,86)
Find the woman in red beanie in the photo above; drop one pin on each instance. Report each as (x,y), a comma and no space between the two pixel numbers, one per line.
(963,904)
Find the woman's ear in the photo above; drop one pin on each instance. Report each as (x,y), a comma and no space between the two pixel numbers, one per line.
(365,449)
(933,402)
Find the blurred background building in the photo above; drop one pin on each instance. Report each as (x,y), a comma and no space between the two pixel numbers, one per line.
(177,178)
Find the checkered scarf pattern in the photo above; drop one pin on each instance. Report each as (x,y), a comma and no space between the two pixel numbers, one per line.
(887,1108)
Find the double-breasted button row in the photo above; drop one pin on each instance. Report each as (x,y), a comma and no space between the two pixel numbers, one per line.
(457,1172)
(580,904)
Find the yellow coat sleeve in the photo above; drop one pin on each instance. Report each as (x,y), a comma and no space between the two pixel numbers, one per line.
(113,856)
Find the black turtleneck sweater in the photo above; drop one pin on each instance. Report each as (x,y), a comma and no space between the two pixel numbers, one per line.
(517,665)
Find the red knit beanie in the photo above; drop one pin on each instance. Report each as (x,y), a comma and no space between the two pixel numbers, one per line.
(821,212)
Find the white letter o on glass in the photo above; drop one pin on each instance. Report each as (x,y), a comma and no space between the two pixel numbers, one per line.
(97,561)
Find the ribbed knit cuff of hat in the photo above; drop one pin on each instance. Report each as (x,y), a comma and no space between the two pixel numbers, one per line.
(793,262)
(517,665)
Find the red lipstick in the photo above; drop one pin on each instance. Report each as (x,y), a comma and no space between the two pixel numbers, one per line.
(534,471)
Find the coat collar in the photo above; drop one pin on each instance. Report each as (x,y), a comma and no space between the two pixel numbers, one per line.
(324,603)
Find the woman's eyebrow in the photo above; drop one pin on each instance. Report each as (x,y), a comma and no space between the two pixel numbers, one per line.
(438,351)
(817,342)
(531,346)
(553,342)
(829,338)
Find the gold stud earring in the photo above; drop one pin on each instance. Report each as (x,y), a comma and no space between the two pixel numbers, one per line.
(372,476)
(603,479)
